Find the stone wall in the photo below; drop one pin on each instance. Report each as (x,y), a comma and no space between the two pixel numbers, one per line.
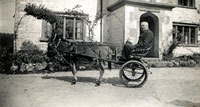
(170,2)
(30,28)
(141,0)
(114,27)
(191,16)
(110,2)
(166,31)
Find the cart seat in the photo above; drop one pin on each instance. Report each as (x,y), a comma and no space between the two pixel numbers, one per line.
(139,53)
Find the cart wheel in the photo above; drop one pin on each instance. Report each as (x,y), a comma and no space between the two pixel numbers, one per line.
(133,74)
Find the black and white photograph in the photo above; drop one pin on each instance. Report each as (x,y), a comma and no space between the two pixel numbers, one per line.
(99,53)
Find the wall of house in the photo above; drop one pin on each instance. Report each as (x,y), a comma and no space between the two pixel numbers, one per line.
(132,23)
(7,9)
(110,2)
(158,1)
(166,19)
(171,2)
(30,28)
(165,31)
(141,0)
(132,26)
(187,15)
(114,27)
(0,15)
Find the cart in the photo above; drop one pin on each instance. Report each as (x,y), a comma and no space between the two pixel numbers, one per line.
(133,71)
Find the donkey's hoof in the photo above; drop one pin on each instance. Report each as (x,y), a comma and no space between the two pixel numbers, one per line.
(98,83)
(73,82)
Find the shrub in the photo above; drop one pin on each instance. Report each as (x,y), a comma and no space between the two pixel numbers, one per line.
(189,60)
(29,56)
(29,59)
(58,62)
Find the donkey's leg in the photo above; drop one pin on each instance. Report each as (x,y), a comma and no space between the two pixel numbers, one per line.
(74,72)
(101,72)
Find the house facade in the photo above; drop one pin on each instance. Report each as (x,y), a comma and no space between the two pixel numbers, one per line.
(167,20)
(121,18)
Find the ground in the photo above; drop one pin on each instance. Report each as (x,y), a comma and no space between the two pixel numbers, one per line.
(166,87)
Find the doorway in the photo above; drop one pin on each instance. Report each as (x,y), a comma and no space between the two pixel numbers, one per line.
(154,27)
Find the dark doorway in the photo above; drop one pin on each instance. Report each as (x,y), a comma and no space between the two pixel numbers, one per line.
(154,27)
(6,41)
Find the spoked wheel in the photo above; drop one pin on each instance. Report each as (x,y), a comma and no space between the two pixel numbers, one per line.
(133,74)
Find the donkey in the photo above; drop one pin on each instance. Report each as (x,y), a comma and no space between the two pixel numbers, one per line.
(74,62)
(73,59)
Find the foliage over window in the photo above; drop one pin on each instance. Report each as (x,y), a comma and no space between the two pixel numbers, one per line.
(57,21)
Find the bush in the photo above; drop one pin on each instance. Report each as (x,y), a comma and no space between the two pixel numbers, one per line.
(58,62)
(29,56)
(189,60)
(29,59)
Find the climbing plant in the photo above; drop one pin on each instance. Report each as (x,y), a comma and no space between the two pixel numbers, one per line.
(168,53)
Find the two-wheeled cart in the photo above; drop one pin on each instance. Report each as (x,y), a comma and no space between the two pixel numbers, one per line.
(133,71)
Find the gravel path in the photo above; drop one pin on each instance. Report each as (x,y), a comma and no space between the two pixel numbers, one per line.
(166,87)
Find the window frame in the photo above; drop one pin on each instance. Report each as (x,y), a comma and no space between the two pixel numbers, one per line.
(46,26)
(74,27)
(190,26)
(188,4)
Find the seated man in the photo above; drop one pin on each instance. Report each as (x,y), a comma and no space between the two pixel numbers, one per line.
(145,41)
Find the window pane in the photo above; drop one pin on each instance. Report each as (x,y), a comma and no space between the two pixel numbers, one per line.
(46,31)
(191,4)
(79,30)
(185,3)
(174,32)
(180,36)
(69,28)
(186,34)
(70,25)
(192,35)
(180,30)
(180,2)
(59,27)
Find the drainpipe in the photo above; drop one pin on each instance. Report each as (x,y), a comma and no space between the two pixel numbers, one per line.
(101,21)
(15,30)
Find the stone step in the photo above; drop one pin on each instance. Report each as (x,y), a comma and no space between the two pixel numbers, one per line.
(156,62)
(161,64)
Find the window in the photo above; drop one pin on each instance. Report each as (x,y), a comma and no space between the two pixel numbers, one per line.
(73,28)
(185,33)
(70,27)
(186,3)
(46,31)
